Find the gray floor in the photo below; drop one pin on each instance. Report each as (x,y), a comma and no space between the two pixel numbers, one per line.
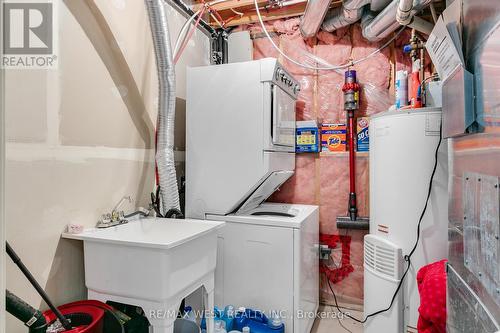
(333,322)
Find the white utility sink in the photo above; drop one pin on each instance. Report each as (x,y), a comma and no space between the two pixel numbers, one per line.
(152,263)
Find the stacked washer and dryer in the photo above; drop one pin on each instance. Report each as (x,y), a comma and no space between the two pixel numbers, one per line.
(240,147)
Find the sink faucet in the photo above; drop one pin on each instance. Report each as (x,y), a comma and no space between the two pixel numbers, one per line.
(116,217)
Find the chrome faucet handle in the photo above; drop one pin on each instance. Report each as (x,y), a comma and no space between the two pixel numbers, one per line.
(116,217)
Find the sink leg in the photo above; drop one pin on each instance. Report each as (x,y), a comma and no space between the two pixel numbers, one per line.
(161,318)
(209,308)
(163,329)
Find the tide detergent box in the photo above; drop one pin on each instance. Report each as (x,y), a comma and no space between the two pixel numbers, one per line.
(363,139)
(333,137)
(307,137)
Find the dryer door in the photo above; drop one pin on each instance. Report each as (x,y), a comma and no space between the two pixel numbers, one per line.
(283,118)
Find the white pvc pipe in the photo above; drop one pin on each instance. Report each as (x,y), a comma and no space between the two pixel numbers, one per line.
(403,14)
(421,25)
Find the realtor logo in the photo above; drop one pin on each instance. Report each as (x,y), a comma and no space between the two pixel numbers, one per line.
(28,34)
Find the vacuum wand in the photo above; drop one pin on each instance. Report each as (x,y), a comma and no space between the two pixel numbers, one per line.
(351,91)
(353,206)
(12,254)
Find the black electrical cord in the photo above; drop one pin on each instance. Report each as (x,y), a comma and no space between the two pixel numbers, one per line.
(155,202)
(407,258)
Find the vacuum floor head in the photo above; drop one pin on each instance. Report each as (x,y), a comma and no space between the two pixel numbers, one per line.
(359,223)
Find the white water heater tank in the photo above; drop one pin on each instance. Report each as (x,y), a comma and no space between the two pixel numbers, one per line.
(402,149)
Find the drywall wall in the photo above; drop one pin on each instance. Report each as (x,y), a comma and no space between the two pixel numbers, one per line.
(81,137)
(2,191)
(322,179)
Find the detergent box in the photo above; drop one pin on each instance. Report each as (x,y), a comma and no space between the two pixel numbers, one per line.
(307,137)
(363,139)
(333,137)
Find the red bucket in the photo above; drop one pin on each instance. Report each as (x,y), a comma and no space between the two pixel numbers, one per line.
(85,316)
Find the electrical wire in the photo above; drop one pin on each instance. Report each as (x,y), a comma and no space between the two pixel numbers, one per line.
(407,258)
(182,34)
(327,67)
(188,37)
(237,13)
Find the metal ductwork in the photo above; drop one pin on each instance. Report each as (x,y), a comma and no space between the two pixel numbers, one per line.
(378,5)
(377,27)
(166,106)
(350,12)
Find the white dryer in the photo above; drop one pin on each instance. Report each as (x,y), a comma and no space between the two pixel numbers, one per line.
(268,260)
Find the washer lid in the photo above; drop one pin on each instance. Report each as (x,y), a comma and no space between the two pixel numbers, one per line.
(272,214)
(264,191)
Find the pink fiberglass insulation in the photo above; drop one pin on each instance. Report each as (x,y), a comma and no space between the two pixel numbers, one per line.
(294,45)
(333,182)
(374,74)
(262,47)
(323,179)
(335,48)
(288,27)
(303,179)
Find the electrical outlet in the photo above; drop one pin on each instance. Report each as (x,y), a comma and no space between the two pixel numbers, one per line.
(324,252)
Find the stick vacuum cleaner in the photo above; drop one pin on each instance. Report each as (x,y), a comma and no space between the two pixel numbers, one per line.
(351,90)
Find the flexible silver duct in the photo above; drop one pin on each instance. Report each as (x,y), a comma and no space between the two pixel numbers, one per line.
(378,27)
(166,105)
(350,12)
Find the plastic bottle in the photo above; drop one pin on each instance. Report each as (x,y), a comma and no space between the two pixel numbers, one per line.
(189,314)
(219,328)
(217,316)
(401,89)
(257,322)
(275,323)
(416,93)
(228,316)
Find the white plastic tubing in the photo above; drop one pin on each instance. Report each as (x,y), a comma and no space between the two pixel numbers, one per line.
(403,14)
(316,60)
(166,105)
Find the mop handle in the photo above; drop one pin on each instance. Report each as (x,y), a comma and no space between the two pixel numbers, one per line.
(15,258)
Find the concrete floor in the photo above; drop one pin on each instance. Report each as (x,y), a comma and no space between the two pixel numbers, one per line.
(330,321)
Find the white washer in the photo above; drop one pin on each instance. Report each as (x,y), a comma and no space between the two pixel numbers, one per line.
(268,260)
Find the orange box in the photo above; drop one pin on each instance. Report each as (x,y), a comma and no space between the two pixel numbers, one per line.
(333,137)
